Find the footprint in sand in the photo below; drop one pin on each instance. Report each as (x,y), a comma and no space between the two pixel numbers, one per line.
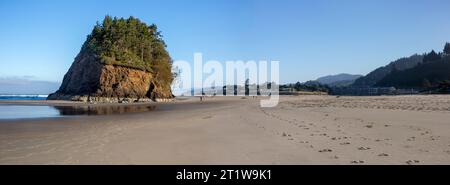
(325,150)
(357,162)
(207,117)
(286,135)
(412,162)
(364,148)
(383,155)
(434,138)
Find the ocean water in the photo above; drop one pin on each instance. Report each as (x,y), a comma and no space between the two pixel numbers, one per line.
(8,111)
(18,111)
(23,97)
(27,111)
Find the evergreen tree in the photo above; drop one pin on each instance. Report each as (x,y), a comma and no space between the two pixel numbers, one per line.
(131,43)
(447,48)
(432,56)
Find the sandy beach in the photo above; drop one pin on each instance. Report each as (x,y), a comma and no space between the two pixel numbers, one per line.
(311,129)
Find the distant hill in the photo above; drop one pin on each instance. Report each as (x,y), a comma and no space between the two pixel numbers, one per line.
(401,64)
(425,75)
(342,79)
(427,71)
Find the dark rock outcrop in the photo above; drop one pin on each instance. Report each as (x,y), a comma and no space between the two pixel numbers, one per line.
(122,60)
(90,80)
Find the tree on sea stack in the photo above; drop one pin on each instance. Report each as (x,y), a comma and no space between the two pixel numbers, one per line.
(122,60)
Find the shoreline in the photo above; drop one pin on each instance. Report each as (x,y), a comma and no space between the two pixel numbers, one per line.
(77,103)
(110,108)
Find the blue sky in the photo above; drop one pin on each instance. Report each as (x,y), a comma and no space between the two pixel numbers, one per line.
(40,38)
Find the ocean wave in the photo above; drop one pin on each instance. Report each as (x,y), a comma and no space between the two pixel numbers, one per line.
(23,96)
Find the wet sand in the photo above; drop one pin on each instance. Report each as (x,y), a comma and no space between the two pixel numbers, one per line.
(234,130)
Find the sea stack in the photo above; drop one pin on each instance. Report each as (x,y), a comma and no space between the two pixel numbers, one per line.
(122,60)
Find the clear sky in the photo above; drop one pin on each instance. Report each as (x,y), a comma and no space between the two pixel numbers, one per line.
(40,38)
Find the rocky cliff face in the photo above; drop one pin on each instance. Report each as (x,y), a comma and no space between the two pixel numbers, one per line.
(90,80)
